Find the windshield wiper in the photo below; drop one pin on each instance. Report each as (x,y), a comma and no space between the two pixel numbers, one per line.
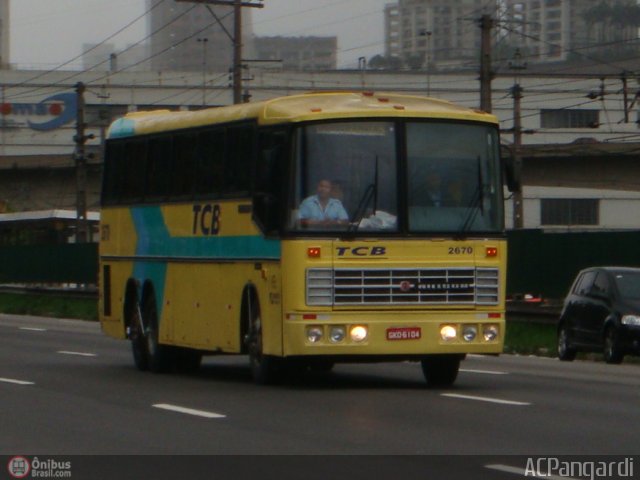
(371,192)
(476,203)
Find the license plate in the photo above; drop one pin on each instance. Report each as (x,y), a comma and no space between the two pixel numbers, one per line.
(404,333)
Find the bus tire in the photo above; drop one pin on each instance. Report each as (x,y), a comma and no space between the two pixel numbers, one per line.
(136,336)
(441,370)
(159,355)
(265,369)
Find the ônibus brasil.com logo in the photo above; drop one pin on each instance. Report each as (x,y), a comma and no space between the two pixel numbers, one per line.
(19,467)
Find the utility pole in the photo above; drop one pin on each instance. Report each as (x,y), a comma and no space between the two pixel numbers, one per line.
(518,209)
(82,224)
(516,92)
(625,96)
(237,5)
(486,75)
(237,51)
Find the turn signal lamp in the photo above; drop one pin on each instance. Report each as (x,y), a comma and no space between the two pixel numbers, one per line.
(314,252)
(491,252)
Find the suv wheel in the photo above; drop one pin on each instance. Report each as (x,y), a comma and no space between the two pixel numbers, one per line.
(566,352)
(612,351)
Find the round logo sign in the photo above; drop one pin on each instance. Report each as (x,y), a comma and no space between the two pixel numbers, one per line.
(19,467)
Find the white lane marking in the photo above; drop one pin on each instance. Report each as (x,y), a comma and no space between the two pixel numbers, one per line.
(525,473)
(188,411)
(484,399)
(80,354)
(33,329)
(17,382)
(484,372)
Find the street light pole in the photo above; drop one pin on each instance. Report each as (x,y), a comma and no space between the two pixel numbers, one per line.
(204,41)
(427,33)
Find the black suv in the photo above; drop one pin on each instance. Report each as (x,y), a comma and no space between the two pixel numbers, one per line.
(601,314)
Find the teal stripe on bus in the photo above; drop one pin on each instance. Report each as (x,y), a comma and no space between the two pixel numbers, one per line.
(123,127)
(154,240)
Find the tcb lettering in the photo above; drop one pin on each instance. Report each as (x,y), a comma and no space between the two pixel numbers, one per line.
(361,251)
(206,219)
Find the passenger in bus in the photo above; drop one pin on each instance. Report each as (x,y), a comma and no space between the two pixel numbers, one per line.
(322,209)
(435,192)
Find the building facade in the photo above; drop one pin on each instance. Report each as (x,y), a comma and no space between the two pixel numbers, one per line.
(4,34)
(435,32)
(194,36)
(560,30)
(581,168)
(299,53)
(106,57)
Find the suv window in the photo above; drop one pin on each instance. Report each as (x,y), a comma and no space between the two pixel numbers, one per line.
(601,284)
(583,285)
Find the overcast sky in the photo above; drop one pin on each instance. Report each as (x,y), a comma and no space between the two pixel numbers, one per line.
(48,33)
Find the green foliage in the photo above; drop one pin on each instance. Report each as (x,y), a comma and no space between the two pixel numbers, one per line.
(531,339)
(49,306)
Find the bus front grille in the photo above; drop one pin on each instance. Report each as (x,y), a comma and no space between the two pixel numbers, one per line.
(424,286)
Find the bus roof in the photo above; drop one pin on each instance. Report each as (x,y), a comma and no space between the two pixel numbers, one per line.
(299,108)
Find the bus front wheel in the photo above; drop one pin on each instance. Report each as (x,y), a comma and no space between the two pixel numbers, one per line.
(265,369)
(441,370)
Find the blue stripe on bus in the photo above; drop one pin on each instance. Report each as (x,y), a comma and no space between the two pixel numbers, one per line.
(154,240)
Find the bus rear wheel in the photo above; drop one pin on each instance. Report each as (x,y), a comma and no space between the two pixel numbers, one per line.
(441,370)
(136,336)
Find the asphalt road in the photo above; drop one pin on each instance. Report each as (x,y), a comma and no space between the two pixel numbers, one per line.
(65,389)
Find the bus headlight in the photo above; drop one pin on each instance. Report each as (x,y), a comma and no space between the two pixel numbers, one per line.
(314,334)
(448,333)
(337,334)
(469,333)
(358,333)
(490,332)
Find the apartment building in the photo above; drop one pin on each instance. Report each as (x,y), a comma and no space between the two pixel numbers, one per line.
(4,33)
(299,53)
(434,32)
(560,30)
(191,37)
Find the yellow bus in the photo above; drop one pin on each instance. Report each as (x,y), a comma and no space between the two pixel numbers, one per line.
(304,231)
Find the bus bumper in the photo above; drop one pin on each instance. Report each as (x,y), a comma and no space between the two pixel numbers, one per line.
(393,334)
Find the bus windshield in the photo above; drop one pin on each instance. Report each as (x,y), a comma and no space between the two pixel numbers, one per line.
(350,177)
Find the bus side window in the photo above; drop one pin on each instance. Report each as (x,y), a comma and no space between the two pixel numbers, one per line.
(184,165)
(113,172)
(269,176)
(238,159)
(158,169)
(209,160)
(134,177)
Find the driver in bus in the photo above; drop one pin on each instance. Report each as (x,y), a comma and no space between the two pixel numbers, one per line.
(322,209)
